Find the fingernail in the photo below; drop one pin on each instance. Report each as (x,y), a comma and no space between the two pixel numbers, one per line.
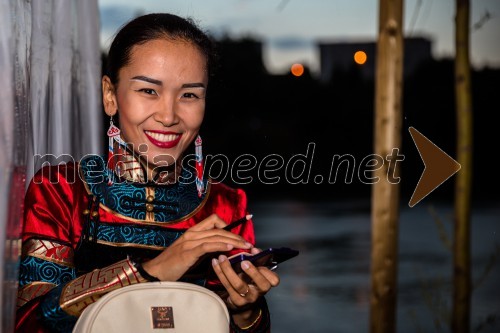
(230,246)
(222,258)
(215,262)
(245,265)
(249,245)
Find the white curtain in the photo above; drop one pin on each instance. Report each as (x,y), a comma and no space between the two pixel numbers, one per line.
(49,104)
(65,81)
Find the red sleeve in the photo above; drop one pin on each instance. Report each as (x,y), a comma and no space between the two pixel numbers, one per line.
(50,205)
(48,236)
(230,205)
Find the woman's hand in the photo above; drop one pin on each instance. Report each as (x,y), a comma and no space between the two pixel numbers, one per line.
(242,295)
(204,237)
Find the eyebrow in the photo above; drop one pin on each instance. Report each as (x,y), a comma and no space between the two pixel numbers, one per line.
(193,85)
(147,79)
(159,83)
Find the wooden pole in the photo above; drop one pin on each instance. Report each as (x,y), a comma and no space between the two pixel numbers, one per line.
(461,250)
(385,196)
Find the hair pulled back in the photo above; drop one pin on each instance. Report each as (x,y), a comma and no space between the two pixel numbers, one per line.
(155,26)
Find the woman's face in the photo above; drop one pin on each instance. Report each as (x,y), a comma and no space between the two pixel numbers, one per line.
(160,97)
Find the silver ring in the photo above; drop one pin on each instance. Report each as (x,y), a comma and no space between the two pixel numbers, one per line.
(243,295)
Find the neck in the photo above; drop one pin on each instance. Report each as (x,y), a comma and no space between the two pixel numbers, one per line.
(167,174)
(136,168)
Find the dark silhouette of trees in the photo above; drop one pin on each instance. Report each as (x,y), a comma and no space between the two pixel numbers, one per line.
(250,111)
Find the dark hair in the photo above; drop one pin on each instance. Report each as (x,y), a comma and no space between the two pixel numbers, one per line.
(155,26)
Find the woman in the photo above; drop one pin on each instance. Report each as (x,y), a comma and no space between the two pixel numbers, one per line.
(141,214)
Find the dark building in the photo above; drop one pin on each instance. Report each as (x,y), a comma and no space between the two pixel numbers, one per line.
(339,56)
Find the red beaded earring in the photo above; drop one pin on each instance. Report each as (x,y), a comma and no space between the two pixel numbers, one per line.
(200,186)
(113,136)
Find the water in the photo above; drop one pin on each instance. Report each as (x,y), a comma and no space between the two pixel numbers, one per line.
(327,287)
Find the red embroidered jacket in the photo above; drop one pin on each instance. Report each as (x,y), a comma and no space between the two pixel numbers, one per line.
(79,232)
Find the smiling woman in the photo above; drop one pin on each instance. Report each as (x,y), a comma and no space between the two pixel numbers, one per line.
(160,96)
(85,238)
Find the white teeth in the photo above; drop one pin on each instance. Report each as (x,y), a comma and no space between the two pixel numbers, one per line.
(162,137)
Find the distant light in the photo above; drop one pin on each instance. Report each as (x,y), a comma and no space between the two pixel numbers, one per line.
(360,57)
(297,69)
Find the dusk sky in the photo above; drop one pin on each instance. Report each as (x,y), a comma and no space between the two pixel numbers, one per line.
(290,29)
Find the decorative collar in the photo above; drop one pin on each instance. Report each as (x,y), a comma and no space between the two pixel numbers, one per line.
(134,199)
(131,168)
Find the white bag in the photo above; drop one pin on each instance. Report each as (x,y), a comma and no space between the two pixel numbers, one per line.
(171,307)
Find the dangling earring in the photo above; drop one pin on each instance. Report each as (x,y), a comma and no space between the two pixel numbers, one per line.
(113,135)
(200,186)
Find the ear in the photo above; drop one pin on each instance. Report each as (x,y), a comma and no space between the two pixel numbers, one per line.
(109,96)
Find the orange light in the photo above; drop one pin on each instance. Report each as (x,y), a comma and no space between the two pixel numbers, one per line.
(297,69)
(360,57)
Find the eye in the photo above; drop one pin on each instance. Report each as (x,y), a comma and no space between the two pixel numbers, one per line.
(148,91)
(189,95)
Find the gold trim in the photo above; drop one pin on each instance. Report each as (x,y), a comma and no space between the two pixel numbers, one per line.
(150,195)
(50,251)
(88,288)
(144,222)
(32,290)
(52,260)
(140,246)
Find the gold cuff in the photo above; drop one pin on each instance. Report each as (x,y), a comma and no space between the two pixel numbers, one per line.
(31,291)
(49,251)
(88,288)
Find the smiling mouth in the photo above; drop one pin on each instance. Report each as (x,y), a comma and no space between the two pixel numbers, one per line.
(163,140)
(162,137)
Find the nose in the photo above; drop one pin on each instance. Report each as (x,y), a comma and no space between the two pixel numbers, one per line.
(166,113)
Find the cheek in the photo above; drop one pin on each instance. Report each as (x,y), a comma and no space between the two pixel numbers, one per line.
(196,119)
(127,120)
(130,113)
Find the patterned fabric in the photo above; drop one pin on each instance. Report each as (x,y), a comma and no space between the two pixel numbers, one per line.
(44,265)
(55,317)
(132,234)
(35,269)
(32,291)
(49,250)
(170,202)
(67,219)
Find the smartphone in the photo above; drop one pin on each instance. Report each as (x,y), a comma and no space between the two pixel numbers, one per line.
(269,258)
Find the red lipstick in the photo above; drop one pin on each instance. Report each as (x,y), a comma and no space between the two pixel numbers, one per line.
(164,144)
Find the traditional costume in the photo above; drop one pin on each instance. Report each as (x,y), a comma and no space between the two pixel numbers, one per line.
(83,234)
